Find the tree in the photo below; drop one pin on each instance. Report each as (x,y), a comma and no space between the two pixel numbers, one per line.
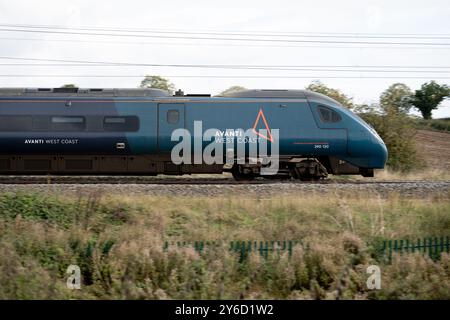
(70,85)
(336,94)
(398,132)
(395,127)
(157,82)
(232,89)
(396,98)
(429,97)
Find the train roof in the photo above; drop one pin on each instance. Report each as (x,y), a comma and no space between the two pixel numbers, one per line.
(278,93)
(158,93)
(266,93)
(98,92)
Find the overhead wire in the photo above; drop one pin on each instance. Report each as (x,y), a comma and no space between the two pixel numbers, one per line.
(398,69)
(226,38)
(76,62)
(240,45)
(247,33)
(214,76)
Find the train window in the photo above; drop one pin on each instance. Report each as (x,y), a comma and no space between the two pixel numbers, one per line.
(173,116)
(16,123)
(327,115)
(126,123)
(68,123)
(41,123)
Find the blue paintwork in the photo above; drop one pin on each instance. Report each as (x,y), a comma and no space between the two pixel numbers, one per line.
(145,141)
(299,124)
(165,129)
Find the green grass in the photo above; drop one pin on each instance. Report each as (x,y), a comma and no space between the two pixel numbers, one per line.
(118,244)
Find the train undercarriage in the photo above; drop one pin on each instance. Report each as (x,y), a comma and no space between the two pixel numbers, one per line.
(304,169)
(290,167)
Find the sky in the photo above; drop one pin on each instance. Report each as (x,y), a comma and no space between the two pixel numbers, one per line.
(398,19)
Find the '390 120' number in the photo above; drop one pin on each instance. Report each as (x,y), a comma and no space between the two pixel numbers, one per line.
(321,146)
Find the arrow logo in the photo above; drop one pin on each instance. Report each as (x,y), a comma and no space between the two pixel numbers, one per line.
(261,116)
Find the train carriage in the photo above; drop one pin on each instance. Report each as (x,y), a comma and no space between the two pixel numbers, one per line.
(130,132)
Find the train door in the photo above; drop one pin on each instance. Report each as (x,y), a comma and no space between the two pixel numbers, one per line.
(170,118)
(331,136)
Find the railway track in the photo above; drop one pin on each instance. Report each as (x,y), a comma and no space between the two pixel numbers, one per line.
(93,180)
(216,187)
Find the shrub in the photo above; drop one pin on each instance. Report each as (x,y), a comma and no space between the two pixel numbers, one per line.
(397,131)
(125,259)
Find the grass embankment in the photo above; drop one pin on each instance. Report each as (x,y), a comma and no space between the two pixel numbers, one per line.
(118,244)
(442,124)
(425,174)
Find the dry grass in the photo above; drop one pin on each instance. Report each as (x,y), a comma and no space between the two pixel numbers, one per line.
(118,243)
(426,174)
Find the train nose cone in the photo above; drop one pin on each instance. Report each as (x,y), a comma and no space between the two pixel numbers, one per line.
(379,154)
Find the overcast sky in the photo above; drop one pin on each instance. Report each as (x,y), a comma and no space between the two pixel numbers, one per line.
(391,17)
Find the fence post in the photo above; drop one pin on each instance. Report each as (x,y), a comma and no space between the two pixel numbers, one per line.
(430,248)
(424,245)
(436,248)
(395,246)
(390,250)
(447,244)
(289,247)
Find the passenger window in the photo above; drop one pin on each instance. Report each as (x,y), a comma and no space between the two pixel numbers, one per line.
(70,123)
(124,124)
(327,115)
(16,123)
(173,116)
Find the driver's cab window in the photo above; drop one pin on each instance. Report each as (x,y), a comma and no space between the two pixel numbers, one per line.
(328,115)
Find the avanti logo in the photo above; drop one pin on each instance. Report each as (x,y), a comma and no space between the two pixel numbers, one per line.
(224,145)
(263,117)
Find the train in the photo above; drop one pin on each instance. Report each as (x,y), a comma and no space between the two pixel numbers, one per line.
(65,131)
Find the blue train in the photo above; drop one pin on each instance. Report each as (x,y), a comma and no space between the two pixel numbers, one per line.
(129,131)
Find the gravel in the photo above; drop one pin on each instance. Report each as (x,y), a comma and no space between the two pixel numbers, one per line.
(418,189)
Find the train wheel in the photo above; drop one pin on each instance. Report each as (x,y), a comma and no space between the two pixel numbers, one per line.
(238,175)
(309,170)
